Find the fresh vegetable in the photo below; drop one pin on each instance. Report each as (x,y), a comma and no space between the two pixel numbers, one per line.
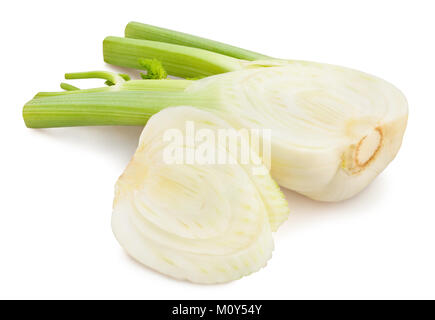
(205,223)
(333,129)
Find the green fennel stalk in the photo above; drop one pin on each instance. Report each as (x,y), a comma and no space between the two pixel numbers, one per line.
(143,31)
(178,60)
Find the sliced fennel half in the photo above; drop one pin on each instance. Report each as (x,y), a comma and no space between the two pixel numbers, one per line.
(203,223)
(333,129)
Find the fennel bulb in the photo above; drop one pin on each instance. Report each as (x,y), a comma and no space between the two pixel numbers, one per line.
(333,129)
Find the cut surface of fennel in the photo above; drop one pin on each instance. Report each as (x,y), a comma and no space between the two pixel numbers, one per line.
(203,223)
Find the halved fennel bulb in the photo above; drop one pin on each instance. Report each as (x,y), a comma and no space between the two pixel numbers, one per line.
(206,223)
(334,129)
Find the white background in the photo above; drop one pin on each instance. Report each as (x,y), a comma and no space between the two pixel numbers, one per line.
(57,184)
